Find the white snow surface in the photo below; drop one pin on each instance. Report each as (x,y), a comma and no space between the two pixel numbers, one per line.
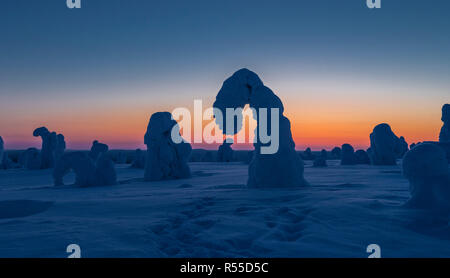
(214,214)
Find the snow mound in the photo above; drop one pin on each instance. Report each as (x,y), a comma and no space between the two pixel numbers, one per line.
(87,171)
(426,168)
(2,149)
(60,146)
(138,160)
(308,155)
(336,153)
(30,159)
(284,168)
(48,146)
(403,147)
(97,149)
(444,136)
(105,172)
(385,146)
(53,147)
(5,162)
(321,161)
(209,157)
(121,158)
(165,158)
(348,155)
(225,152)
(362,157)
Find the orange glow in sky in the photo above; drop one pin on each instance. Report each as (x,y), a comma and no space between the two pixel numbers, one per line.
(323,114)
(315,126)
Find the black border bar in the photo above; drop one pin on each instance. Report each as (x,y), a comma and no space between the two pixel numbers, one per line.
(225,267)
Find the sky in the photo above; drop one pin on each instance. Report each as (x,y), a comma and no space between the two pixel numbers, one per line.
(99,72)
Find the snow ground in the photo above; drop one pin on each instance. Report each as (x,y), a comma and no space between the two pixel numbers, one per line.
(213,214)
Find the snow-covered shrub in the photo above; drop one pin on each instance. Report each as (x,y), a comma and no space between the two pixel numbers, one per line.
(348,155)
(2,152)
(138,160)
(362,157)
(2,148)
(5,162)
(444,136)
(60,146)
(48,147)
(426,168)
(97,149)
(87,171)
(385,146)
(403,147)
(336,153)
(308,155)
(208,156)
(32,159)
(284,168)
(225,152)
(105,173)
(165,159)
(80,163)
(321,161)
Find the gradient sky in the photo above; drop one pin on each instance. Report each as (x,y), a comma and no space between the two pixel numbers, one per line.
(340,68)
